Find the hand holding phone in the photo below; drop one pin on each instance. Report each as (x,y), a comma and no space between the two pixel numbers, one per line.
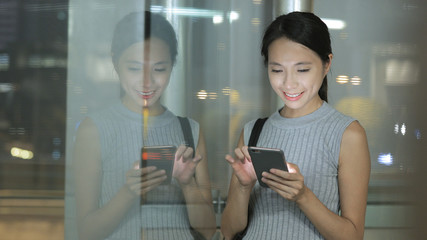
(264,159)
(162,157)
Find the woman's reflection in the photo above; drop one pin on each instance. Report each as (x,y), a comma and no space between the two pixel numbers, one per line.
(116,197)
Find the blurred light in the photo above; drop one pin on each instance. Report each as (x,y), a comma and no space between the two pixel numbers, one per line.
(16,131)
(212,95)
(356,80)
(202,94)
(56,141)
(396,49)
(6,87)
(36,61)
(190,12)
(342,79)
(403,129)
(39,7)
(334,24)
(234,97)
(401,71)
(233,16)
(343,35)
(56,154)
(21,153)
(257,1)
(385,159)
(418,134)
(217,19)
(4,61)
(226,91)
(396,128)
(221,46)
(255,21)
(84,109)
(156,8)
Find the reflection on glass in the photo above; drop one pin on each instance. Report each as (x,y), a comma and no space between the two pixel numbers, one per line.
(140,171)
(385,159)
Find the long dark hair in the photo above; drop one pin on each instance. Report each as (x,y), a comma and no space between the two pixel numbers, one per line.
(139,26)
(304,28)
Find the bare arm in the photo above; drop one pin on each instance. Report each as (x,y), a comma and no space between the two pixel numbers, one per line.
(353,178)
(197,193)
(235,215)
(94,222)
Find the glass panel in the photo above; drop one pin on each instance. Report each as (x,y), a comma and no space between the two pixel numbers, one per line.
(56,69)
(33,69)
(377,79)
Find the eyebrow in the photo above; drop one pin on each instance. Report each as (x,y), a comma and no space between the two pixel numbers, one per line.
(296,64)
(303,63)
(141,63)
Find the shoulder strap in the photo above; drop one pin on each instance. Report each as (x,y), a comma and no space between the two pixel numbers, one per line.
(256,131)
(188,134)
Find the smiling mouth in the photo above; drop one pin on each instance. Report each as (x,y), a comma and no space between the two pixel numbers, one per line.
(145,93)
(293,95)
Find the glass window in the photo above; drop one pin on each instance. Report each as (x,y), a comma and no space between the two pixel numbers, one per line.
(57,68)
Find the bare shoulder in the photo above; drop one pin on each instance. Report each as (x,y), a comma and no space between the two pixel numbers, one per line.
(87,126)
(87,144)
(354,136)
(87,132)
(354,144)
(354,131)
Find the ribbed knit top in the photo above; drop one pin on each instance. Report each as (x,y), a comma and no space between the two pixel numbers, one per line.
(163,215)
(313,143)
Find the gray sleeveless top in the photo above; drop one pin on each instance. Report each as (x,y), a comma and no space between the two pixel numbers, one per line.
(164,215)
(313,143)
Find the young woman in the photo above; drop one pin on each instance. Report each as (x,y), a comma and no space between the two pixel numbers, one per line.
(323,196)
(115,198)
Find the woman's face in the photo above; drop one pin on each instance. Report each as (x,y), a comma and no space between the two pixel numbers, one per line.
(144,70)
(296,74)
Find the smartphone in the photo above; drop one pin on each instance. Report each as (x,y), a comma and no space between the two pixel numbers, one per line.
(264,159)
(163,157)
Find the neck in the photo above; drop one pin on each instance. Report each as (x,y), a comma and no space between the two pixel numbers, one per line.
(153,110)
(295,113)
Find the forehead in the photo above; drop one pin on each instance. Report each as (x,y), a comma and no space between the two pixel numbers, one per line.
(152,49)
(284,50)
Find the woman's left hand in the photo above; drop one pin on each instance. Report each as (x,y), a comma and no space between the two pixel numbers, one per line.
(289,185)
(185,165)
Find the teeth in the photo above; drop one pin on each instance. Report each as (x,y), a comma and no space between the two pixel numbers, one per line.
(145,93)
(293,95)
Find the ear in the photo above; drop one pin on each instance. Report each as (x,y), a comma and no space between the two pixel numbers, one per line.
(328,63)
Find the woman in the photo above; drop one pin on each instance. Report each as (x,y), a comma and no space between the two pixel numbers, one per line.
(116,199)
(326,151)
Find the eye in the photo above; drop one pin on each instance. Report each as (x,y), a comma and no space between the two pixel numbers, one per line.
(276,71)
(303,70)
(160,69)
(134,69)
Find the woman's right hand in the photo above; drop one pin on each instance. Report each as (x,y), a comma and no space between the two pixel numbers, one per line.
(142,180)
(242,167)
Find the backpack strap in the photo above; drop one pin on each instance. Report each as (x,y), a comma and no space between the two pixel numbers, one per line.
(188,134)
(256,131)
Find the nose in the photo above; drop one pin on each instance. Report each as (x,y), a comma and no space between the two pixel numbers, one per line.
(290,82)
(146,78)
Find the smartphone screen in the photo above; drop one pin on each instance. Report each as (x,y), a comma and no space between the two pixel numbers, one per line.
(163,157)
(264,159)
